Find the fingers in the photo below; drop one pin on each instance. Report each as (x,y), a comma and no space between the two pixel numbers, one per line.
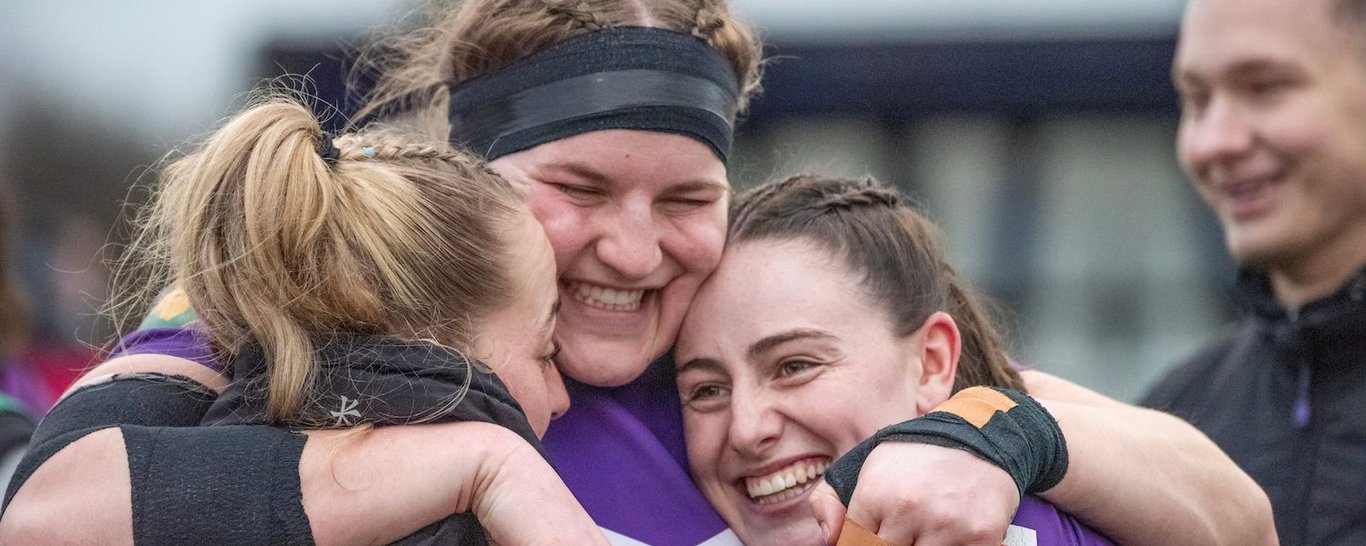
(839,529)
(927,496)
(525,502)
(825,504)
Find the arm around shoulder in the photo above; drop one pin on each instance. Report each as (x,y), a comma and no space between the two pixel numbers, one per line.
(380,485)
(77,462)
(81,495)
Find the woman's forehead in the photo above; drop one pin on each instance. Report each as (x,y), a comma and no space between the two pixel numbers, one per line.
(774,284)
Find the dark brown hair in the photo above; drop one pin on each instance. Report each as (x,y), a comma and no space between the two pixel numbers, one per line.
(894,250)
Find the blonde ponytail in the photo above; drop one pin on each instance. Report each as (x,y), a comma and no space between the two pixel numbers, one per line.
(274,244)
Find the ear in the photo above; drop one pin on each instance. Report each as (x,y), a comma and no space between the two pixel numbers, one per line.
(940,345)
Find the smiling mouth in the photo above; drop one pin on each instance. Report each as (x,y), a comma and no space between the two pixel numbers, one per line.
(602,297)
(785,483)
(1243,190)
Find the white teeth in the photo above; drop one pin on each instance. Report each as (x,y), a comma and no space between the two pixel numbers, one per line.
(608,298)
(785,483)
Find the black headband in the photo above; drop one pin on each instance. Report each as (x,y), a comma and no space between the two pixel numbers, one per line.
(616,78)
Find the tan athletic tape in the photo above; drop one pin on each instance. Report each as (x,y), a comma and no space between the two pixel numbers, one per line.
(977,405)
(858,535)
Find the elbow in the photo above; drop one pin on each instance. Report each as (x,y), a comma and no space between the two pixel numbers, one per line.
(47,520)
(1264,521)
(31,522)
(1257,518)
(88,478)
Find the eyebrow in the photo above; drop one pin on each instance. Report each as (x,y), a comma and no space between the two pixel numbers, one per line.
(1244,68)
(702,363)
(1262,66)
(756,350)
(584,171)
(768,343)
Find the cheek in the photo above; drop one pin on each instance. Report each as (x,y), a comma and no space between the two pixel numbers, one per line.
(704,435)
(696,242)
(528,388)
(829,414)
(565,227)
(1184,133)
(1297,126)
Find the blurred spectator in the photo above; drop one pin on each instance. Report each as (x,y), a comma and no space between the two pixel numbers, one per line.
(21,392)
(1273,132)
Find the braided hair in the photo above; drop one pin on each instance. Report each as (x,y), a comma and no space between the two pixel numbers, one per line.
(893,249)
(278,232)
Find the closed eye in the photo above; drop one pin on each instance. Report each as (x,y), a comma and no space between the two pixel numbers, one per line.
(548,357)
(789,368)
(574,190)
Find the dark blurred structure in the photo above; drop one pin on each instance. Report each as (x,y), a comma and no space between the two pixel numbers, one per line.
(65,179)
(1047,162)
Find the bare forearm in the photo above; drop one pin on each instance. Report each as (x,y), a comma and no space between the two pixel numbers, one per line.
(377,486)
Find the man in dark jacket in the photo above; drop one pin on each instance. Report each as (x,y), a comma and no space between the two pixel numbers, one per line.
(1273,132)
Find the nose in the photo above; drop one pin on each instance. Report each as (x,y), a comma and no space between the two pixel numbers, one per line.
(755,424)
(1219,132)
(556,395)
(630,242)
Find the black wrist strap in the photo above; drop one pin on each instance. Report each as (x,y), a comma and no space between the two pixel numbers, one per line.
(1004,427)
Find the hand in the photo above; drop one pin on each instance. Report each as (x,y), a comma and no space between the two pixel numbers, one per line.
(378,486)
(926,495)
(520,499)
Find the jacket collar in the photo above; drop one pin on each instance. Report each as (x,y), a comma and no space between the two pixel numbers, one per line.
(1333,321)
(1254,288)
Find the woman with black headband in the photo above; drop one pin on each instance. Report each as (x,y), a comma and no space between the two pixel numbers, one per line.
(616,116)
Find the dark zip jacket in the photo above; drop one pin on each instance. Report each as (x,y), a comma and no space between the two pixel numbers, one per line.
(1284,394)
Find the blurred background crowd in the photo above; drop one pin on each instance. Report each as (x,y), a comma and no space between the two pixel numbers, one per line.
(1038,135)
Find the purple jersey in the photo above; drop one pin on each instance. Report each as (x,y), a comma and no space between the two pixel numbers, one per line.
(620,450)
(1039,523)
(187,343)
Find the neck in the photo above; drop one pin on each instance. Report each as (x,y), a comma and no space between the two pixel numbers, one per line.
(1319,273)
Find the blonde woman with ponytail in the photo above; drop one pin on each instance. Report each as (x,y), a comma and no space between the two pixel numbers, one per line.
(616,118)
(361,280)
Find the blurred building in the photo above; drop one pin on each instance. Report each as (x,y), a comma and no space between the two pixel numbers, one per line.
(1039,135)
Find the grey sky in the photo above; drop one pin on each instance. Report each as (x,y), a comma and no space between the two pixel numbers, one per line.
(165,69)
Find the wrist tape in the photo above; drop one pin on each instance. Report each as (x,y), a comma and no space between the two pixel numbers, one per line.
(1005,427)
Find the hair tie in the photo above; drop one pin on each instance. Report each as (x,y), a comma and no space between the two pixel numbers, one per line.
(328,150)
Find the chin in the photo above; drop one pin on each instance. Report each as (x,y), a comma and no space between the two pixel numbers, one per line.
(604,364)
(1261,251)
